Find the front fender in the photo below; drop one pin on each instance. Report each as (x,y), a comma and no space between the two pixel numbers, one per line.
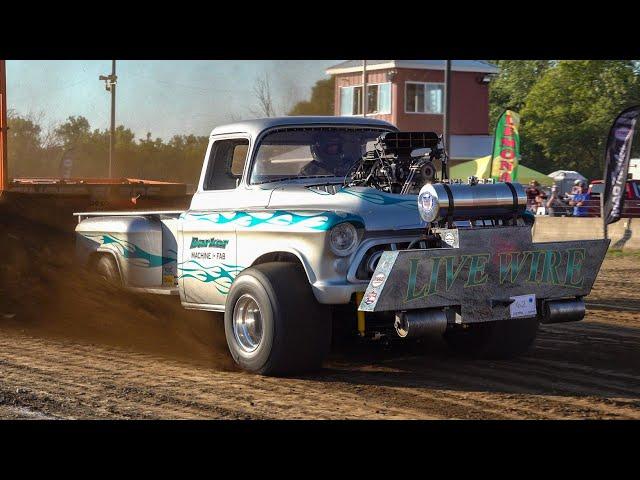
(311,249)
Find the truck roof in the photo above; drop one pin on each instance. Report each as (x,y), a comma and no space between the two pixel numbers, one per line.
(254,127)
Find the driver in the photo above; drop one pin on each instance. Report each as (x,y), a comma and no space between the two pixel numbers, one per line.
(328,157)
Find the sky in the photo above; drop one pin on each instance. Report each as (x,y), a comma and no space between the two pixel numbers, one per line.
(164,97)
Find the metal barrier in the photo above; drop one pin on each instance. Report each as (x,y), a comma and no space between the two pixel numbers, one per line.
(624,234)
(631,209)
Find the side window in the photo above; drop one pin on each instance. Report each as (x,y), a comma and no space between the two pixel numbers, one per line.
(226,163)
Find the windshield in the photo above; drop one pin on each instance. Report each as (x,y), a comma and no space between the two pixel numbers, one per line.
(310,152)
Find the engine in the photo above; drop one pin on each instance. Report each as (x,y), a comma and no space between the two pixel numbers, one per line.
(405,163)
(399,162)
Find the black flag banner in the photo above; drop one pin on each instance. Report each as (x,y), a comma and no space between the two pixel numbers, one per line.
(617,163)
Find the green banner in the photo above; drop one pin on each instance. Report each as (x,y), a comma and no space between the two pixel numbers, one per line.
(505,156)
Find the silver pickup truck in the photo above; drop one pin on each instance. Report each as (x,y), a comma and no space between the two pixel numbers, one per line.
(301,223)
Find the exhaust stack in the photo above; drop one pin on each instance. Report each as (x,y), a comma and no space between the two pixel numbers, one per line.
(560,311)
(419,323)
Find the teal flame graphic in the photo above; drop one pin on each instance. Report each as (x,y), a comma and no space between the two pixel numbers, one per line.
(313,220)
(383,199)
(131,251)
(221,275)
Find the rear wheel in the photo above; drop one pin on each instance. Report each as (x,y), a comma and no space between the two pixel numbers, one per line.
(498,340)
(273,322)
(107,270)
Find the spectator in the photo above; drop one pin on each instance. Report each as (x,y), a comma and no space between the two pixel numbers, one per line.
(576,187)
(541,199)
(555,205)
(534,195)
(580,200)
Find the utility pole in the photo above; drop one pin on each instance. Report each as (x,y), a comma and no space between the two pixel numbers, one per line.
(3,127)
(364,88)
(110,86)
(447,104)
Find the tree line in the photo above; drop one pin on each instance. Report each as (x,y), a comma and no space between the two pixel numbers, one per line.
(566,110)
(37,152)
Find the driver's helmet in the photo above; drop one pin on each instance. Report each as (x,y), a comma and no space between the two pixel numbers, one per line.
(327,148)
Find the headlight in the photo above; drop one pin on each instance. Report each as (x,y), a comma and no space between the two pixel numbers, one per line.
(343,238)
(428,203)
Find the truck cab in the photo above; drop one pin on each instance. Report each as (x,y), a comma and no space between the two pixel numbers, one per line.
(272,189)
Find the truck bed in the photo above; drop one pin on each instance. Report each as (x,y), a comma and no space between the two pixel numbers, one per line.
(116,213)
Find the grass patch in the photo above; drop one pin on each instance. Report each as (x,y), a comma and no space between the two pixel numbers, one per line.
(617,253)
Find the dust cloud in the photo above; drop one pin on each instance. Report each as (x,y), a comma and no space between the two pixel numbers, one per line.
(44,293)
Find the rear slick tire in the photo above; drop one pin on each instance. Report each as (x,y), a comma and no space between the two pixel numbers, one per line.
(107,270)
(273,323)
(502,339)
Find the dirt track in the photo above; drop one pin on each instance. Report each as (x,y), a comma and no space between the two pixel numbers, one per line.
(147,358)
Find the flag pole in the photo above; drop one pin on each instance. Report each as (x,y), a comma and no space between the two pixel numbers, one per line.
(616,169)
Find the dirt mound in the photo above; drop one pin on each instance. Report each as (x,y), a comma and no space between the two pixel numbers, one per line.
(42,291)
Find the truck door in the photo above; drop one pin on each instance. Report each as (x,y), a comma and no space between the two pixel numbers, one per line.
(208,258)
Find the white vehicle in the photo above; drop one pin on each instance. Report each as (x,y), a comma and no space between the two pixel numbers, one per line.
(634,169)
(287,228)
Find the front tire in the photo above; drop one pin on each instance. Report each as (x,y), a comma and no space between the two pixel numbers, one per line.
(273,322)
(495,340)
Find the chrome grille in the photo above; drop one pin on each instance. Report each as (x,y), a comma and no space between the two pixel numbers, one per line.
(370,259)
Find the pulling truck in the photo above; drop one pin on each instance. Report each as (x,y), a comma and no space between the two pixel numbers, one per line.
(301,224)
